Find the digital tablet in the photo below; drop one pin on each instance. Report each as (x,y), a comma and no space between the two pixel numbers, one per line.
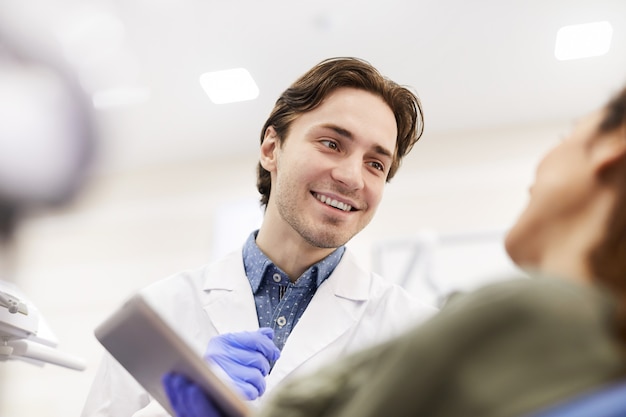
(143,343)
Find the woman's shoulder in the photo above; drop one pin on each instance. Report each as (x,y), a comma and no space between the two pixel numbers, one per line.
(537,296)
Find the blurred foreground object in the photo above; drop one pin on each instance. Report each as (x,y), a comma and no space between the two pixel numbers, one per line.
(46,134)
(46,146)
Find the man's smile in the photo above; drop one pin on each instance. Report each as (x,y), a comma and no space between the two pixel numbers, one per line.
(333,202)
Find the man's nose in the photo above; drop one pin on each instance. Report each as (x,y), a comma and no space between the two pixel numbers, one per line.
(349,172)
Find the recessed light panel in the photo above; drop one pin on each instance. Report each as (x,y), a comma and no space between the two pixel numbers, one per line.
(582,41)
(229,86)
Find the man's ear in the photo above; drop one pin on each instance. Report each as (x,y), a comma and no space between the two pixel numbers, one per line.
(608,151)
(269,149)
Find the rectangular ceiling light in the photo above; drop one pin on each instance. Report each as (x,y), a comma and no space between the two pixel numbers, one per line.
(229,86)
(582,41)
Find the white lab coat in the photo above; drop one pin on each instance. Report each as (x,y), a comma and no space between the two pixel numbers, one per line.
(352,309)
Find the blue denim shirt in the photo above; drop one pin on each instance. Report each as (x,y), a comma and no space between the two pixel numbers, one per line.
(279,302)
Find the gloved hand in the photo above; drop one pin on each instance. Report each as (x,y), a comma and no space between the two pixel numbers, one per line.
(245,357)
(187,398)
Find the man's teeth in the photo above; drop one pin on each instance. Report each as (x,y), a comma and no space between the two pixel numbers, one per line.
(333,203)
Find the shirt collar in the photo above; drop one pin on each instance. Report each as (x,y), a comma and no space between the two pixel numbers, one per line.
(256,263)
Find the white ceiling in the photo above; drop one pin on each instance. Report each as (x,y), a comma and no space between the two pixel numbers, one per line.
(475,64)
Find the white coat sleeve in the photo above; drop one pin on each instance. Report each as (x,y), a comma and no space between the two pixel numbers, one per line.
(115,393)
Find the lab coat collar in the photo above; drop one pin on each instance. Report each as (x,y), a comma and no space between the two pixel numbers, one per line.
(228,298)
(347,280)
(221,274)
(226,275)
(351,286)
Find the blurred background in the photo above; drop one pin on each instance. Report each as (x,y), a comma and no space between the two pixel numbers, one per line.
(172,185)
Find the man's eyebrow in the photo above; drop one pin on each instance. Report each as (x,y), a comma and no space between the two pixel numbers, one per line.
(348,135)
(383,151)
(339,130)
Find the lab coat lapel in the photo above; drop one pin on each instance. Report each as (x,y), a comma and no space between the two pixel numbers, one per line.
(228,298)
(337,305)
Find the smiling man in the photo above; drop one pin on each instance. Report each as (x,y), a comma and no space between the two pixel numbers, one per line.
(294,297)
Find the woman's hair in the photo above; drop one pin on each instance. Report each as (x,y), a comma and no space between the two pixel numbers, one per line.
(310,90)
(608,260)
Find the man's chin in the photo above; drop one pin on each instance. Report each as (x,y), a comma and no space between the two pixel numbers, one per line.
(326,240)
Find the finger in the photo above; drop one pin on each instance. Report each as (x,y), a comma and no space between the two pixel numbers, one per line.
(255,341)
(188,398)
(175,385)
(168,385)
(251,380)
(253,359)
(240,358)
(274,353)
(267,332)
(231,344)
(199,404)
(249,391)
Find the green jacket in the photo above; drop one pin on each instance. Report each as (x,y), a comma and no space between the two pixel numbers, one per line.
(502,351)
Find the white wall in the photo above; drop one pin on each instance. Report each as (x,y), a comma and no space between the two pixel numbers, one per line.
(130,229)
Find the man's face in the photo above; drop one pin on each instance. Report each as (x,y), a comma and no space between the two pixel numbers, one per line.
(328,177)
(564,182)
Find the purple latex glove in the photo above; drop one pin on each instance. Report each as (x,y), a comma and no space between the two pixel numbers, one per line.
(188,399)
(245,357)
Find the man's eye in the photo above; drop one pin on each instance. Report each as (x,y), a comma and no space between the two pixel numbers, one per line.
(377,165)
(330,144)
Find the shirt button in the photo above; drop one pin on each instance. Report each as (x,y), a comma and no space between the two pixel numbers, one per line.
(277,277)
(281,321)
